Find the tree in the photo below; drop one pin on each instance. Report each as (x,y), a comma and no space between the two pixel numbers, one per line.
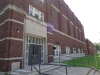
(97,46)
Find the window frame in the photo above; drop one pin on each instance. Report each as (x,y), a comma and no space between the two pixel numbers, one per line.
(57,51)
(33,13)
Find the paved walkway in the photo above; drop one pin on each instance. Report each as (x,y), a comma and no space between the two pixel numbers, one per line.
(56,70)
(71,71)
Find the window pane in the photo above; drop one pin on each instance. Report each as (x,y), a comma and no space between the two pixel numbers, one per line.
(36,40)
(30,10)
(27,47)
(33,39)
(41,54)
(42,17)
(41,48)
(27,39)
(26,63)
(42,1)
(41,60)
(41,41)
(30,39)
(37,14)
(26,55)
(57,53)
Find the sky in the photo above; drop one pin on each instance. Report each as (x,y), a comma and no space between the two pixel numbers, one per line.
(88,12)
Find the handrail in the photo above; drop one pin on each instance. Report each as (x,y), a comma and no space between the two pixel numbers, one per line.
(35,59)
(92,68)
(60,65)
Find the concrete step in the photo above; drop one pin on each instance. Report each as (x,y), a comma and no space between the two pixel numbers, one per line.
(97,73)
(92,72)
(34,72)
(15,73)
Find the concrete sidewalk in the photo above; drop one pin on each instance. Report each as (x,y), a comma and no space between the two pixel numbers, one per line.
(71,71)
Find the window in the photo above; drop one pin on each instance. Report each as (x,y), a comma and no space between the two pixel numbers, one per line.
(82,51)
(68,50)
(79,50)
(57,51)
(42,1)
(36,13)
(74,50)
(41,16)
(31,10)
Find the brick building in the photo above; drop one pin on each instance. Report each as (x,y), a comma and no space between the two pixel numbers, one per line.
(29,25)
(90,47)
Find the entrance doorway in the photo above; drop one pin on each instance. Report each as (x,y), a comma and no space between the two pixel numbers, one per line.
(34,54)
(34,43)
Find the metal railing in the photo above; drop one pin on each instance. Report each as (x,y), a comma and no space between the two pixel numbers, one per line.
(64,65)
(92,68)
(39,71)
(60,59)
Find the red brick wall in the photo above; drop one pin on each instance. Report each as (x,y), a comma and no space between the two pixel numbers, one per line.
(63,42)
(64,26)
(10,48)
(3,3)
(50,53)
(57,20)
(91,49)
(5,65)
(51,16)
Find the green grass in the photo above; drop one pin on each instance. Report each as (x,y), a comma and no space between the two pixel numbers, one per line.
(83,61)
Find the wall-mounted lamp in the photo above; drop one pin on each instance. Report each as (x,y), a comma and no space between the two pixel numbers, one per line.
(17,30)
(50,38)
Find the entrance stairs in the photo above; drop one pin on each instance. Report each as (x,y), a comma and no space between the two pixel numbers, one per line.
(27,71)
(57,70)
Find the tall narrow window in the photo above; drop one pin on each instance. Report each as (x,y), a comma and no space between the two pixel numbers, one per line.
(57,51)
(41,17)
(36,14)
(30,10)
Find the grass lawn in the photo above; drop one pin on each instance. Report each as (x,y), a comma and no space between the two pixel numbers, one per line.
(83,61)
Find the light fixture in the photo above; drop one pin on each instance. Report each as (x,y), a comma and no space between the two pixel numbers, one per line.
(50,38)
(18,31)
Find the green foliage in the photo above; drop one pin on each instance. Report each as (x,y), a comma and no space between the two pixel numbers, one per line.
(83,61)
(97,46)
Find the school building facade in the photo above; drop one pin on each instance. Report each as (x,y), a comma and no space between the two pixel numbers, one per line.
(46,26)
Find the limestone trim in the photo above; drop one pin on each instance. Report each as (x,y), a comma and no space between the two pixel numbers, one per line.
(13,58)
(67,35)
(80,30)
(71,22)
(64,16)
(76,27)
(50,44)
(50,55)
(19,10)
(12,21)
(50,33)
(92,48)
(55,8)
(11,38)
